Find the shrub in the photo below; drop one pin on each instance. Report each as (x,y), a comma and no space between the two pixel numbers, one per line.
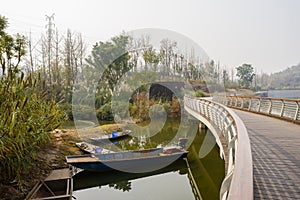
(199,93)
(105,112)
(26,118)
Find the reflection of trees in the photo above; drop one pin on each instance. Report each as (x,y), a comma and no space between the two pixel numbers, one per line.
(143,139)
(122,185)
(120,180)
(205,174)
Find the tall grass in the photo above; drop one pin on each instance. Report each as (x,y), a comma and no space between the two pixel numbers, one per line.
(27,114)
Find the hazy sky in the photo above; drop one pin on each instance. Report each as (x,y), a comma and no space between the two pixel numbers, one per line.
(264,33)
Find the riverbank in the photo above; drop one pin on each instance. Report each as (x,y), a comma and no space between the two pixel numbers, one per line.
(50,157)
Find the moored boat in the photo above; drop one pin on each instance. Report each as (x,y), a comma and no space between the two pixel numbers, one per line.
(130,161)
(113,136)
(91,149)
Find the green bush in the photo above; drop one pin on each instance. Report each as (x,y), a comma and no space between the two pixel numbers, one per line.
(199,93)
(105,112)
(67,108)
(167,107)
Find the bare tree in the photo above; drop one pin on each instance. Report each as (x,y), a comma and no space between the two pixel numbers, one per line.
(137,47)
(81,49)
(29,39)
(167,51)
(44,56)
(74,52)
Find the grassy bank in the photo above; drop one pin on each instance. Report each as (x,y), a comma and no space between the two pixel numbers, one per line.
(51,156)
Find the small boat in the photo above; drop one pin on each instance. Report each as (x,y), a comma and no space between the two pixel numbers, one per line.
(91,149)
(58,185)
(113,136)
(129,161)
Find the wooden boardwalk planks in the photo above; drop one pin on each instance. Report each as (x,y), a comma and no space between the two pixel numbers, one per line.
(275,146)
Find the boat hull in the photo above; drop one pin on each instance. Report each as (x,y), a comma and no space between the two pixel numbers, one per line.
(154,160)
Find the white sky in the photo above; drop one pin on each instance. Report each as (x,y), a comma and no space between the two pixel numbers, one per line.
(264,33)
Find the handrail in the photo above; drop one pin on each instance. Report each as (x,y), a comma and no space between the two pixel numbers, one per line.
(287,109)
(238,182)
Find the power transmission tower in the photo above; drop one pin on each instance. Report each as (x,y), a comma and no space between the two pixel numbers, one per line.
(50,31)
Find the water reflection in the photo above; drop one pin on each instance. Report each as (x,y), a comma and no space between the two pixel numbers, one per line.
(144,138)
(116,178)
(203,176)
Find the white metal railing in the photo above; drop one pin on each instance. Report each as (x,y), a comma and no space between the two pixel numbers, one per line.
(238,182)
(288,109)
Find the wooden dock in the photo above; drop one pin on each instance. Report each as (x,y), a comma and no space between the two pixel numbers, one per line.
(58,185)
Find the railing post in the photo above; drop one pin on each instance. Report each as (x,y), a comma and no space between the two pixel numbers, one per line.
(242,104)
(250,104)
(297,111)
(228,101)
(282,108)
(259,104)
(236,101)
(270,107)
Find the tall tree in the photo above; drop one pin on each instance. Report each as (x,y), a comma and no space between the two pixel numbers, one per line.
(225,78)
(110,60)
(151,58)
(246,75)
(11,49)
(167,52)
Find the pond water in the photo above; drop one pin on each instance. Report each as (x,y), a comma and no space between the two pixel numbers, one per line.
(184,179)
(291,94)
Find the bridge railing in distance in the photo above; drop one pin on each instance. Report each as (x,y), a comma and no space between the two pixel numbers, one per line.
(238,182)
(288,109)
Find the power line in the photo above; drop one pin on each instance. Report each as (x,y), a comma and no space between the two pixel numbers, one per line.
(23,23)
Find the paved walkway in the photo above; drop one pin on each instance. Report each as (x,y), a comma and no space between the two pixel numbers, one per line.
(275,146)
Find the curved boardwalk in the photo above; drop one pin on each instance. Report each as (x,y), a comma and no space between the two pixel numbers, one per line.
(275,146)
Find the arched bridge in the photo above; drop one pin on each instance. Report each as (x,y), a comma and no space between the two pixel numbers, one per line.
(260,141)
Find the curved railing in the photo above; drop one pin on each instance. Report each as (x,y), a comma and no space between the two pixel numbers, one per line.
(223,122)
(288,109)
